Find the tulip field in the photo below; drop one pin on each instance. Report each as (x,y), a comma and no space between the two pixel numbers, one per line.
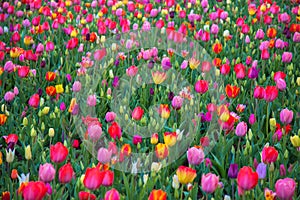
(150,99)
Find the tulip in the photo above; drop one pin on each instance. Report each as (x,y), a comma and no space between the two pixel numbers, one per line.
(185,174)
(94,131)
(177,102)
(157,195)
(58,152)
(281,84)
(108,178)
(137,139)
(261,170)
(195,156)
(28,155)
(9,96)
(137,113)
(170,138)
(112,194)
(240,71)
(233,171)
(287,57)
(247,179)
(271,93)
(252,119)
(201,86)
(241,129)
(104,155)
(161,151)
(269,155)
(295,140)
(232,91)
(46,172)
(10,155)
(93,178)
(209,182)
(154,138)
(269,194)
(132,71)
(164,111)
(34,101)
(282,170)
(110,116)
(286,116)
(159,77)
(285,188)
(34,190)
(86,196)
(66,173)
(91,100)
(115,130)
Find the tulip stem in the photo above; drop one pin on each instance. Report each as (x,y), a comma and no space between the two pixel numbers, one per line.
(232,189)
(181,193)
(267,119)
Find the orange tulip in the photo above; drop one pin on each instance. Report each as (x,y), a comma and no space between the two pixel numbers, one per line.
(271,32)
(3,119)
(14,174)
(232,91)
(157,195)
(50,90)
(217,47)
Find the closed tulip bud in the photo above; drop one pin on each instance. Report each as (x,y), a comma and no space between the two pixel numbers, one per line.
(298,81)
(51,132)
(111,74)
(28,154)
(25,121)
(272,167)
(286,154)
(272,122)
(43,126)
(32,132)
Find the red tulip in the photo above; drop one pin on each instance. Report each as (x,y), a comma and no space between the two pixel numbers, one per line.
(93,178)
(271,93)
(108,178)
(86,196)
(72,43)
(23,71)
(58,152)
(66,173)
(269,155)
(137,113)
(201,86)
(15,37)
(115,130)
(34,191)
(247,179)
(232,91)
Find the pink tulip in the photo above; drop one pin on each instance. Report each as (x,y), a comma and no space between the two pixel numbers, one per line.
(9,96)
(201,86)
(195,156)
(287,57)
(112,194)
(132,71)
(137,113)
(94,131)
(34,101)
(241,129)
(286,116)
(285,188)
(110,116)
(46,172)
(104,155)
(91,100)
(209,182)
(76,86)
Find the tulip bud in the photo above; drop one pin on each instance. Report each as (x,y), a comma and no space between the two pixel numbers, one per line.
(45,110)
(10,155)
(33,132)
(250,134)
(298,81)
(43,126)
(51,132)
(286,154)
(28,154)
(272,167)
(25,121)
(272,122)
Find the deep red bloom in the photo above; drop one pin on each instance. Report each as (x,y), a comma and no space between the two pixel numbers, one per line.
(269,155)
(58,152)
(247,179)
(66,173)
(115,130)
(86,196)
(271,93)
(93,178)
(34,191)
